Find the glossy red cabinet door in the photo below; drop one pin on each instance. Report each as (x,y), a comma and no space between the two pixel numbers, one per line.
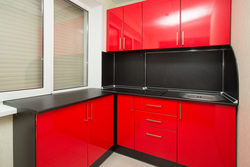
(61,137)
(206,135)
(100,127)
(205,22)
(114,29)
(125,121)
(132,28)
(161,24)
(155,141)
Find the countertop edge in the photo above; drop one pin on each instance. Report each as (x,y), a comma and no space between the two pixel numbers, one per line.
(22,108)
(174,98)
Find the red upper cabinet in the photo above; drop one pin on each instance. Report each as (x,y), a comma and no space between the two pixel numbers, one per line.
(161,24)
(205,22)
(124,28)
(206,135)
(100,127)
(125,121)
(114,29)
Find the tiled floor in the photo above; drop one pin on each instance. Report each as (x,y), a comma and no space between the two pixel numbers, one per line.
(118,160)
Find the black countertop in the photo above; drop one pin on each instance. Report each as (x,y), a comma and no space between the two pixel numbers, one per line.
(41,104)
(171,94)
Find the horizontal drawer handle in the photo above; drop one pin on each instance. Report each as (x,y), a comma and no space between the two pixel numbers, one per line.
(151,105)
(151,120)
(149,134)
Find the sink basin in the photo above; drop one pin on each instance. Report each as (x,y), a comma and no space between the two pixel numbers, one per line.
(198,96)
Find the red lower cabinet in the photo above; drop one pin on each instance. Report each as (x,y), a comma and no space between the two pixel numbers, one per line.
(155,141)
(61,137)
(75,136)
(206,135)
(125,121)
(100,127)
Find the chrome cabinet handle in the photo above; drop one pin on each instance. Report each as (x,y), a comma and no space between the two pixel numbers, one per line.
(87,113)
(151,120)
(124,43)
(91,111)
(180,110)
(183,38)
(149,134)
(177,40)
(151,105)
(131,104)
(120,44)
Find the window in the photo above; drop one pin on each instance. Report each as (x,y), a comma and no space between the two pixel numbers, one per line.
(70,45)
(21,55)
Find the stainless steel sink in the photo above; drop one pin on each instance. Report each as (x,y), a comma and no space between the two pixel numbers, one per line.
(198,96)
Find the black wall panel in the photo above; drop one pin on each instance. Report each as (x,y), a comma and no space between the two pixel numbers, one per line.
(129,69)
(231,85)
(200,70)
(107,69)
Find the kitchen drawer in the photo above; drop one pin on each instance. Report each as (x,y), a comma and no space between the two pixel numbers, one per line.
(163,121)
(156,105)
(157,142)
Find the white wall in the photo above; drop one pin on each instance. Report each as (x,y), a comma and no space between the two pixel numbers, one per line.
(6,141)
(240,40)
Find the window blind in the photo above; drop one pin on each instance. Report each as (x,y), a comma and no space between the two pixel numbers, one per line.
(20,45)
(70,45)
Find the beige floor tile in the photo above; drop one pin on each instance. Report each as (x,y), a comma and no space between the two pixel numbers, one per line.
(118,160)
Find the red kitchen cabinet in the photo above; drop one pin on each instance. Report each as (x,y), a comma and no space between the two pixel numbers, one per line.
(100,127)
(125,121)
(205,22)
(61,137)
(124,28)
(155,141)
(156,105)
(76,135)
(206,135)
(161,24)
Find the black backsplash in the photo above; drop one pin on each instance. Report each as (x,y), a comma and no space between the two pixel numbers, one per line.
(201,70)
(231,85)
(129,69)
(181,68)
(107,69)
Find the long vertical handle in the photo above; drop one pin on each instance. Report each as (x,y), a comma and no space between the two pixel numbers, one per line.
(180,110)
(91,116)
(131,104)
(124,43)
(120,43)
(177,39)
(183,37)
(87,113)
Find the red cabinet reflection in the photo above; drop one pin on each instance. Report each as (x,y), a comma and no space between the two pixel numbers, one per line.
(100,127)
(76,135)
(125,121)
(161,24)
(205,23)
(124,28)
(206,135)
(61,137)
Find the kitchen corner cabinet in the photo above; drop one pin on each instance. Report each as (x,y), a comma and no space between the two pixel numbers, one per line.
(76,135)
(125,121)
(124,28)
(206,135)
(205,23)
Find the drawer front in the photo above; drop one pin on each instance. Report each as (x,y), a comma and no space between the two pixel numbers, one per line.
(157,142)
(156,105)
(168,122)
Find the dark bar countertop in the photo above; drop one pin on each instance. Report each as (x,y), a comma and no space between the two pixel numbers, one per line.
(41,104)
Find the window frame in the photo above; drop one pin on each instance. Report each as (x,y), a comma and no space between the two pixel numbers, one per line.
(48,55)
